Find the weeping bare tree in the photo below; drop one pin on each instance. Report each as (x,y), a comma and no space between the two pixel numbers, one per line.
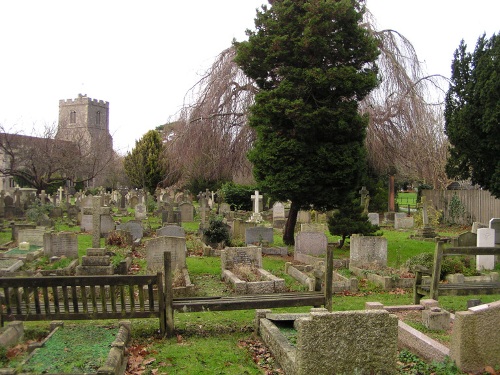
(405,134)
(406,129)
(210,139)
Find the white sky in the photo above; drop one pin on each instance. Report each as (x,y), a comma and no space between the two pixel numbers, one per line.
(142,57)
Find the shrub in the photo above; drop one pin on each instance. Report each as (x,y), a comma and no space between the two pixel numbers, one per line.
(238,196)
(37,210)
(423,259)
(217,232)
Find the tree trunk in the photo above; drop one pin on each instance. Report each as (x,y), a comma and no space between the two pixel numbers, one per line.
(288,234)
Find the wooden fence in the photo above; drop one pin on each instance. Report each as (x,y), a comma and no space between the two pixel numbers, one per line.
(464,206)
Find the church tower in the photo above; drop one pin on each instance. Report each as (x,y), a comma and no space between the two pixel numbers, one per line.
(85,121)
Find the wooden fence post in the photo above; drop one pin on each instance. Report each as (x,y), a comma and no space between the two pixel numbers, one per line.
(436,270)
(329,279)
(169,310)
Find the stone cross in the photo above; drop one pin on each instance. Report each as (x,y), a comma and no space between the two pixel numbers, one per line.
(96,211)
(60,191)
(43,196)
(203,213)
(364,194)
(256,216)
(256,201)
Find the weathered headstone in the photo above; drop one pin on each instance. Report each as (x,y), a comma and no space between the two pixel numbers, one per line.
(133,201)
(134,227)
(171,231)
(374,218)
(187,212)
(278,210)
(32,236)
(474,341)
(60,244)
(224,208)
(140,211)
(72,212)
(313,227)
(495,224)
(250,256)
(257,235)
(403,221)
(465,239)
(304,217)
(368,251)
(311,243)
(157,246)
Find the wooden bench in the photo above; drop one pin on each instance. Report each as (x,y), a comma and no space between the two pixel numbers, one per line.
(131,296)
(435,288)
(83,298)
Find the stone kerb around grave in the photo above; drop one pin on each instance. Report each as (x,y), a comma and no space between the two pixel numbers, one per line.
(249,256)
(343,342)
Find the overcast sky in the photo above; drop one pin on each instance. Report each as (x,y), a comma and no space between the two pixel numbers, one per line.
(142,57)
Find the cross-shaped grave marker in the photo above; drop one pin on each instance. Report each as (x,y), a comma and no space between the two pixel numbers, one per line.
(203,213)
(96,211)
(256,216)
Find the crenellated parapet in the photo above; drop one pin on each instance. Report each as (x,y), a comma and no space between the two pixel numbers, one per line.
(84,99)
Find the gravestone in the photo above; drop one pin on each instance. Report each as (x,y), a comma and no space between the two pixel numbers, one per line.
(56,213)
(250,256)
(345,342)
(18,227)
(8,207)
(474,341)
(374,218)
(171,231)
(257,235)
(465,239)
(224,208)
(133,201)
(304,217)
(187,212)
(495,224)
(72,212)
(313,227)
(477,225)
(134,227)
(60,244)
(368,251)
(239,228)
(157,246)
(278,210)
(311,243)
(279,219)
(107,225)
(140,211)
(256,216)
(403,221)
(32,236)
(485,238)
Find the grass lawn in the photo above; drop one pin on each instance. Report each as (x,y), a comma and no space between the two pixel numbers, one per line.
(218,342)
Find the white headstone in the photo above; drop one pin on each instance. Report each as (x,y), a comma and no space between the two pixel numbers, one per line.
(485,238)
(256,216)
(495,224)
(374,218)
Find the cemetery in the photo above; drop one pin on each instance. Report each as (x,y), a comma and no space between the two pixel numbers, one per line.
(157,269)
